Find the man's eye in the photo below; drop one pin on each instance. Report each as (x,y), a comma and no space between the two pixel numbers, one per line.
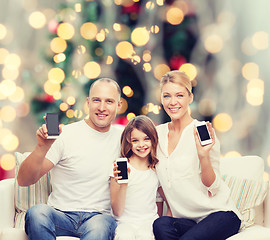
(166,96)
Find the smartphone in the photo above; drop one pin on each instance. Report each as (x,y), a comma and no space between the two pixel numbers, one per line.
(203,133)
(122,167)
(52,122)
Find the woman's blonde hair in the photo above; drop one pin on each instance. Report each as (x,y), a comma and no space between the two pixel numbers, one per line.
(144,124)
(176,76)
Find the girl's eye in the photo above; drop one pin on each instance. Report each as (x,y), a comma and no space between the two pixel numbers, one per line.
(134,140)
(147,139)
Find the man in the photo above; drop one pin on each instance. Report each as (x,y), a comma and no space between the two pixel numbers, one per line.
(79,161)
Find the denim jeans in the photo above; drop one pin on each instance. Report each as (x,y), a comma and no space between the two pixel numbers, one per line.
(43,222)
(217,226)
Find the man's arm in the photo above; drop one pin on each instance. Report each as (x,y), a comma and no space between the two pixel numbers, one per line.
(36,165)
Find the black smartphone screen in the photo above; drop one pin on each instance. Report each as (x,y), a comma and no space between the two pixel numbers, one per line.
(52,123)
(122,166)
(203,132)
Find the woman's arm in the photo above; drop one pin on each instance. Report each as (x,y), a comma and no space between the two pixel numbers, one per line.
(169,213)
(208,175)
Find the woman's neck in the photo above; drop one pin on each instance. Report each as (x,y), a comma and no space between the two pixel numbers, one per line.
(179,124)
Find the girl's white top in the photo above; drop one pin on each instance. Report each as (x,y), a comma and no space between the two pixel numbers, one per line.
(141,194)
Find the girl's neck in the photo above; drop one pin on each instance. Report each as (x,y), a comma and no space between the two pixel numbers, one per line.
(139,163)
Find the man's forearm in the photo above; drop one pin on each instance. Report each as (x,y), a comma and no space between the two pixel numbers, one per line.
(30,169)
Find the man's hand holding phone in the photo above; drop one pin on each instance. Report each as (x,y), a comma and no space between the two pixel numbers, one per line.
(44,135)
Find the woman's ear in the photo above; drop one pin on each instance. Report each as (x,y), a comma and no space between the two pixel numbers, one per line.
(191,98)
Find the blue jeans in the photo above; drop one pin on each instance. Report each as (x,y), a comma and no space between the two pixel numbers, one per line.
(217,226)
(43,222)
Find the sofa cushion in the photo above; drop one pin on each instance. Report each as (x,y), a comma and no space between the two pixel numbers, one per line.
(246,194)
(26,197)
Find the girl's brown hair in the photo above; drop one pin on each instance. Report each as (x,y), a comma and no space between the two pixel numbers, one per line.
(176,77)
(144,124)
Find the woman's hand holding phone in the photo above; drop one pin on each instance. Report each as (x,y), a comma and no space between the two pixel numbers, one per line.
(202,148)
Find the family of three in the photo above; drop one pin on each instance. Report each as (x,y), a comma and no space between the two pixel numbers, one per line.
(87,200)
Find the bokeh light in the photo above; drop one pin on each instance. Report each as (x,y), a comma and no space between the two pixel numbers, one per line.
(130,115)
(71,100)
(189,69)
(174,15)
(92,69)
(260,40)
(160,70)
(7,87)
(213,43)
(58,45)
(124,50)
(7,161)
(70,113)
(127,91)
(65,31)
(3,31)
(3,54)
(140,36)
(8,113)
(37,20)
(222,122)
(50,88)
(10,142)
(59,57)
(255,92)
(56,75)
(12,61)
(17,96)
(89,30)
(11,74)
(250,70)
(63,107)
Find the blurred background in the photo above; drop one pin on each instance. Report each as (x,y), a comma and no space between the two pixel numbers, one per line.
(51,52)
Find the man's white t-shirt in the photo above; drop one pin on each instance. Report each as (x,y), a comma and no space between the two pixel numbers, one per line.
(83,157)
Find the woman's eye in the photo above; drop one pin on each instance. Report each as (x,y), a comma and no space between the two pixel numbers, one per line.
(180,95)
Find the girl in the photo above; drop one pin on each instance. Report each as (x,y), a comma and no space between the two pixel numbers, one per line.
(134,203)
(189,173)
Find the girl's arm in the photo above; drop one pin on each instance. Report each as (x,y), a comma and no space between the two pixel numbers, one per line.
(118,194)
(169,213)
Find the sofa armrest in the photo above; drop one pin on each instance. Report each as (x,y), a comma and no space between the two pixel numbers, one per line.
(7,208)
(267,209)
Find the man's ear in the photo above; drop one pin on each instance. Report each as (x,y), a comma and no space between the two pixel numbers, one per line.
(87,100)
(119,106)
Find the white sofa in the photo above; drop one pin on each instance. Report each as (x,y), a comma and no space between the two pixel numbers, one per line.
(251,167)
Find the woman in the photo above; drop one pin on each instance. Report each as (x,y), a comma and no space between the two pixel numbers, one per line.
(189,173)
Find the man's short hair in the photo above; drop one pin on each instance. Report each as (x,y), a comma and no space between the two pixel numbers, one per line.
(108,80)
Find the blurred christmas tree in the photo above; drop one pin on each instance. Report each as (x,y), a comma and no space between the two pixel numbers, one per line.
(134,42)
